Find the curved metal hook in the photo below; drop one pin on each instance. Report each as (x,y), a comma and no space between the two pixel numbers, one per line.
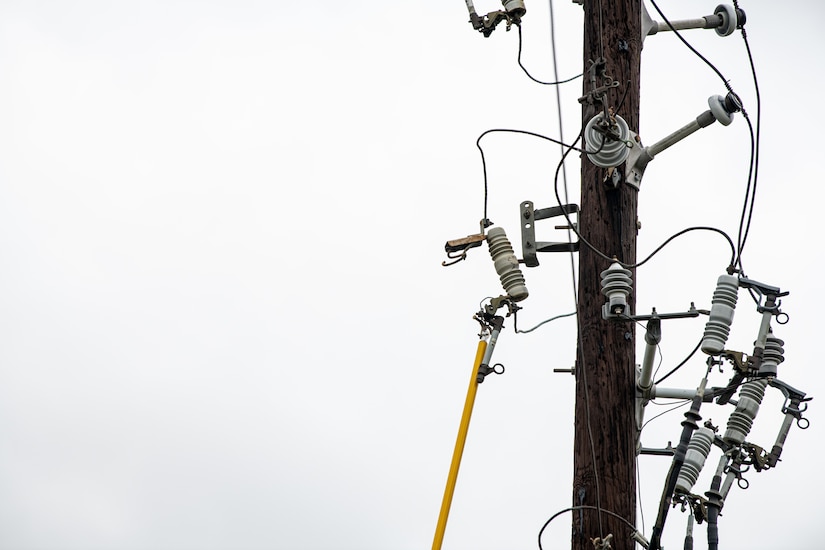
(457,249)
(455,258)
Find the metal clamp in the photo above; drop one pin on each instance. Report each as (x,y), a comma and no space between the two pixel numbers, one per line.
(756,456)
(598,69)
(484,370)
(513,12)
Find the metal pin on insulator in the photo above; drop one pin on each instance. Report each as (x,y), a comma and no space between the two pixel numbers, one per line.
(741,420)
(506,263)
(616,285)
(695,457)
(721,315)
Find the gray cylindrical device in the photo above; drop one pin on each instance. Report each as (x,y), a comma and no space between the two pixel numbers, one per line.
(514,7)
(501,251)
(721,314)
(741,420)
(772,356)
(695,457)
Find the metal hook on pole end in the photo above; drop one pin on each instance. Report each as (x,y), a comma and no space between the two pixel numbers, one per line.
(457,249)
(455,259)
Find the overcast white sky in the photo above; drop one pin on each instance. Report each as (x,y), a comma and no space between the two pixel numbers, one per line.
(224,323)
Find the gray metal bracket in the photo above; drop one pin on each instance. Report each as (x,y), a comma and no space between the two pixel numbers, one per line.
(529,216)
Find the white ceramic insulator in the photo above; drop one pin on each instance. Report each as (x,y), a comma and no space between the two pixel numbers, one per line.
(695,457)
(741,420)
(512,5)
(720,110)
(616,285)
(729,19)
(607,152)
(501,251)
(772,355)
(721,314)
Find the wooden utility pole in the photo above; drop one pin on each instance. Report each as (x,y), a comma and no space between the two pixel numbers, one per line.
(604,469)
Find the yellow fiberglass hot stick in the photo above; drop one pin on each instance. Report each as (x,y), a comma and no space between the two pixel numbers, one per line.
(492,326)
(459,448)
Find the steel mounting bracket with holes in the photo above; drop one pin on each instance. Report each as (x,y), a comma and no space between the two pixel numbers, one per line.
(529,246)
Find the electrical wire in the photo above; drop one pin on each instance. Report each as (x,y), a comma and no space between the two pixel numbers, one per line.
(579,332)
(563,165)
(583,367)
(754,154)
(658,346)
(531,77)
(719,391)
(582,507)
(528,133)
(753,165)
(624,95)
(681,404)
(515,322)
(484,160)
(559,113)
(750,195)
(639,493)
(652,254)
(680,365)
(694,50)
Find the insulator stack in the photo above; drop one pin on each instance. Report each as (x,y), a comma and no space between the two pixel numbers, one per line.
(602,150)
(506,263)
(772,356)
(616,285)
(697,453)
(741,420)
(721,314)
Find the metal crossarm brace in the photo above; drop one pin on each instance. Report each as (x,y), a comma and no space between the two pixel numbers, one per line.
(529,246)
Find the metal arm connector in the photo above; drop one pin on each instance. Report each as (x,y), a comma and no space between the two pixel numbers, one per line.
(513,11)
(721,109)
(725,20)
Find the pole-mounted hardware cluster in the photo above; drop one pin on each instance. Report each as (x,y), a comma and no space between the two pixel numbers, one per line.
(609,142)
(721,109)
(512,281)
(512,13)
(612,144)
(502,254)
(753,374)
